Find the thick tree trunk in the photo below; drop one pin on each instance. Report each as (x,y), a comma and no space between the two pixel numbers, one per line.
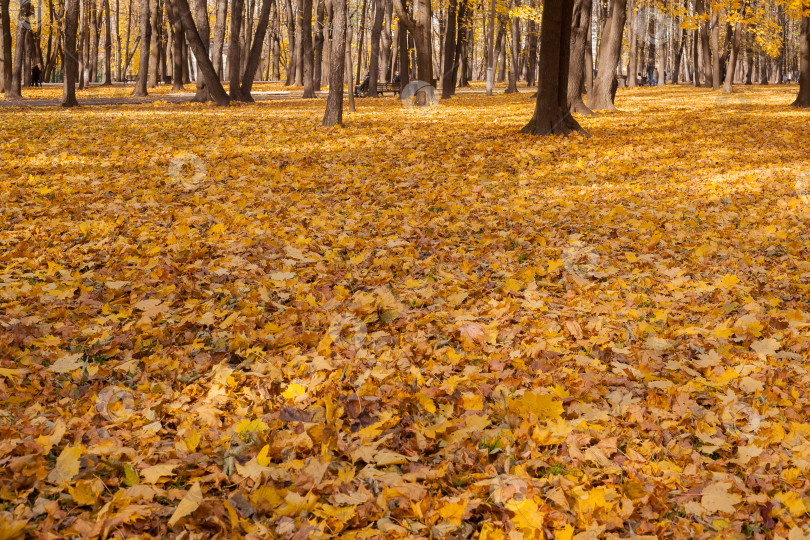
(580,22)
(609,56)
(5,47)
(334,103)
(678,56)
(69,65)
(531,51)
(803,99)
(256,51)
(234,54)
(146,40)
(551,114)
(461,44)
(448,82)
(404,59)
(203,62)
(219,36)
(514,65)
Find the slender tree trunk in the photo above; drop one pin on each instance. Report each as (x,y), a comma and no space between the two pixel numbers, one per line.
(204,30)
(18,69)
(334,103)
(360,36)
(204,64)
(155,50)
(705,48)
(94,40)
(69,64)
(404,59)
(219,36)
(604,86)
(306,48)
(291,44)
(448,83)
(320,14)
(107,45)
(385,41)
(177,44)
(678,56)
(255,55)
(299,50)
(234,54)
(461,44)
(514,65)
(5,47)
(146,40)
(632,37)
(551,114)
(580,22)
(348,63)
(374,54)
(716,61)
(490,73)
(734,52)
(803,99)
(589,63)
(531,60)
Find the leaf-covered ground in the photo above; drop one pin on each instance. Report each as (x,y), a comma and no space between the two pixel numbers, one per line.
(238,322)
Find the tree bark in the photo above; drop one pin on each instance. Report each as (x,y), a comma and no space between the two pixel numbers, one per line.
(374,54)
(219,36)
(334,103)
(69,64)
(420,29)
(490,72)
(404,59)
(705,48)
(320,14)
(609,56)
(234,63)
(716,62)
(306,49)
(177,44)
(632,37)
(155,49)
(23,28)
(292,67)
(360,35)
(146,40)
(204,30)
(203,62)
(734,53)
(531,51)
(448,83)
(551,114)
(107,44)
(461,45)
(514,65)
(299,51)
(5,47)
(580,22)
(385,41)
(256,51)
(803,99)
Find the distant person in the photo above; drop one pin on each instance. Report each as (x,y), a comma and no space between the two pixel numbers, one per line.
(655,78)
(397,78)
(36,76)
(650,73)
(362,86)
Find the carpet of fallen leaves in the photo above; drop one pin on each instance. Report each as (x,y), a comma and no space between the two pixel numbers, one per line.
(236,322)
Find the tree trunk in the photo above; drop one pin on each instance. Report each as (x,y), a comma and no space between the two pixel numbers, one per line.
(299,51)
(580,22)
(490,73)
(219,36)
(234,63)
(291,45)
(320,14)
(155,50)
(404,59)
(5,47)
(94,39)
(734,53)
(385,41)
(803,99)
(678,56)
(146,40)
(531,61)
(514,65)
(448,82)
(716,62)
(348,63)
(603,90)
(107,44)
(360,35)
(334,103)
(420,29)
(255,55)
(374,54)
(69,64)
(18,69)
(306,48)
(204,30)
(204,64)
(177,44)
(551,114)
(461,44)
(632,36)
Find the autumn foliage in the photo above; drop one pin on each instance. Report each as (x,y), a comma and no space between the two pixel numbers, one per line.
(235,322)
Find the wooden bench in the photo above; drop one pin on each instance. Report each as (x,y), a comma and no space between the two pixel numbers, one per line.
(382,88)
